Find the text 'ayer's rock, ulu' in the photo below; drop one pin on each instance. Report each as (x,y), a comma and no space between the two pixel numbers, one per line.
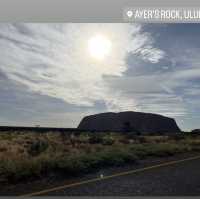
(129,121)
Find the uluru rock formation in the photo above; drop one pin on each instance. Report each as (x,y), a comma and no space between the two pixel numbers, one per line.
(129,121)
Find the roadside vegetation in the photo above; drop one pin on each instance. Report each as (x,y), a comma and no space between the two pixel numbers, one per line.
(27,155)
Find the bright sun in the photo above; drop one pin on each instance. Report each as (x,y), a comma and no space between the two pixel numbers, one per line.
(99,47)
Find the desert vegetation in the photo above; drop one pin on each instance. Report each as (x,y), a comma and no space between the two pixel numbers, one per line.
(27,155)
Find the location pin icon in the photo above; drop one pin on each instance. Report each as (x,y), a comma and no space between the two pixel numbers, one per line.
(129,13)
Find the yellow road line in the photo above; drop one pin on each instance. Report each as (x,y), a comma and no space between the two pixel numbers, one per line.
(110,176)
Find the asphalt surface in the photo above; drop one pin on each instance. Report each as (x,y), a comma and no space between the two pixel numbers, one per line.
(181,179)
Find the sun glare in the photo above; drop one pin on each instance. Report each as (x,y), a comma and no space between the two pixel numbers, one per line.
(99,47)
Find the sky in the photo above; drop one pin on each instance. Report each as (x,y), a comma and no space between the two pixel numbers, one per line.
(55,74)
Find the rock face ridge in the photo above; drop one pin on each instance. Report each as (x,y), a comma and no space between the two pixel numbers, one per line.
(129,121)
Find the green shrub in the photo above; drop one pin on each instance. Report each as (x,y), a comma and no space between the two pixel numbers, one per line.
(37,147)
(158,150)
(124,141)
(78,163)
(131,135)
(85,162)
(142,139)
(6,136)
(139,150)
(108,140)
(177,137)
(117,157)
(70,165)
(95,139)
(20,170)
(83,138)
(164,149)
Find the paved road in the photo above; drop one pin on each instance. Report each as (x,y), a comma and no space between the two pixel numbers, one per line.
(180,179)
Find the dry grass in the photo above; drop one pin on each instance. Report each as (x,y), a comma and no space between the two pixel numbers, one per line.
(25,155)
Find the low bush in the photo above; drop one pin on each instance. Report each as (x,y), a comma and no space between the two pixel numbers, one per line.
(142,139)
(117,156)
(158,150)
(108,140)
(161,150)
(131,135)
(124,141)
(95,139)
(19,170)
(37,147)
(177,137)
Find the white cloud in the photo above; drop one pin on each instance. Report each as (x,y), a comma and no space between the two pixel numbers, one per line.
(152,54)
(187,74)
(53,59)
(150,94)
